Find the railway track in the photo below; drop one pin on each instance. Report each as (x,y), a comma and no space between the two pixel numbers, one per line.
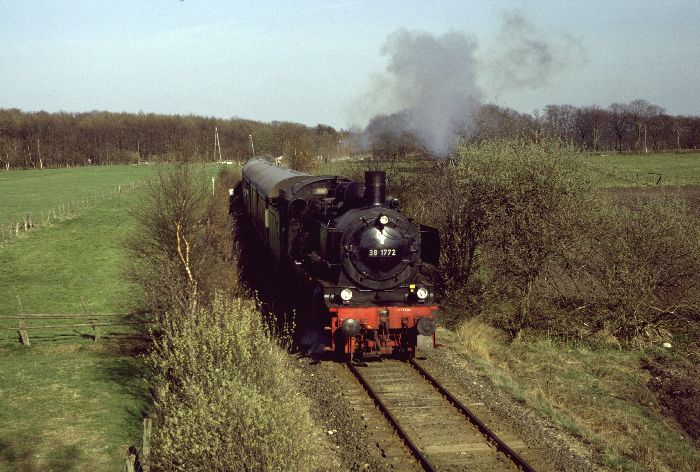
(440,431)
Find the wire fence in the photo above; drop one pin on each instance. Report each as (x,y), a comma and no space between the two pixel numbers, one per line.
(138,458)
(26,323)
(643,177)
(61,212)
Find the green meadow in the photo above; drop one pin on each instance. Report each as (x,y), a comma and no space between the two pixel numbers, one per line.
(67,402)
(38,191)
(606,170)
(72,266)
(619,170)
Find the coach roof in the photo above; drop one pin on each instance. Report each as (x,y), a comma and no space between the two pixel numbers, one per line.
(269,179)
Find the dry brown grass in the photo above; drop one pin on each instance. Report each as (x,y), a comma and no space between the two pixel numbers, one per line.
(600,395)
(478,338)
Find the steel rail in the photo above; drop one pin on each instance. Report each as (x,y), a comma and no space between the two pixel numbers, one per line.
(394,422)
(485,430)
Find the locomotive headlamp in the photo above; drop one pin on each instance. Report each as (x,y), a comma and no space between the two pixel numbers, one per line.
(383,219)
(346,294)
(422,293)
(350,327)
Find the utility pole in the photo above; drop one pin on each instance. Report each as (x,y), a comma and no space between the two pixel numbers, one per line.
(595,136)
(217,143)
(252,145)
(38,151)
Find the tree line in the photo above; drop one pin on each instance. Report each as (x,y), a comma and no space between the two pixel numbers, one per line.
(637,126)
(41,139)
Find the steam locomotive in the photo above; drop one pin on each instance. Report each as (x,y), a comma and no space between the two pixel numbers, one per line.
(355,252)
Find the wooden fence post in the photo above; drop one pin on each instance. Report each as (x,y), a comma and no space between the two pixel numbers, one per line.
(96,329)
(130,462)
(23,335)
(146,447)
(21,326)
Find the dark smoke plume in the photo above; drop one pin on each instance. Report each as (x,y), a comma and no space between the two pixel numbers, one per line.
(430,89)
(431,84)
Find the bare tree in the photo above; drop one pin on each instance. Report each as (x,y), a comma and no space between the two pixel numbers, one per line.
(560,120)
(641,113)
(620,122)
(589,123)
(492,121)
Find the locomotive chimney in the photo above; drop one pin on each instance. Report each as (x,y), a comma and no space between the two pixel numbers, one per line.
(375,188)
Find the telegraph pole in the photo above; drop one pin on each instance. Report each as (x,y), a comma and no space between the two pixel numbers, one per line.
(217,143)
(252,145)
(646,151)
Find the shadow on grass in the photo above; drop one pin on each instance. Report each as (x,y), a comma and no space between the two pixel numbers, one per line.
(114,368)
(123,364)
(20,454)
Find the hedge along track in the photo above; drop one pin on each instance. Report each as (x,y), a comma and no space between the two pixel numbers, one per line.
(440,431)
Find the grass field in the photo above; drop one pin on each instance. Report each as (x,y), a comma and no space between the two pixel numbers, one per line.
(611,170)
(37,191)
(67,403)
(614,170)
(71,266)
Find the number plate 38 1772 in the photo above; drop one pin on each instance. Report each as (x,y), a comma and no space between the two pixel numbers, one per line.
(382,252)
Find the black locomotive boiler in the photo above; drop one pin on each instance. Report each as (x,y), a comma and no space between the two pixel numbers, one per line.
(359,257)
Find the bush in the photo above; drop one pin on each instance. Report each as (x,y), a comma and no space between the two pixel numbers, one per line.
(524,231)
(508,211)
(225,394)
(641,267)
(225,398)
(183,245)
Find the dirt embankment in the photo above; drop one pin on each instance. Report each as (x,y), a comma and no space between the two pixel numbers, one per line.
(676,383)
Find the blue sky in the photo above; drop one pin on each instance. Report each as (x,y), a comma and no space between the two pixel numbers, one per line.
(308,61)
